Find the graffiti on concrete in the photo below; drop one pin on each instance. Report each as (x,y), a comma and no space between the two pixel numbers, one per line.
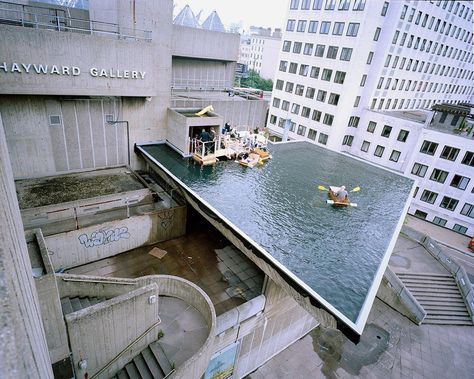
(104,237)
(166,218)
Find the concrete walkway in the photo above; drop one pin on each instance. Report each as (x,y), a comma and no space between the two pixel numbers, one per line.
(391,345)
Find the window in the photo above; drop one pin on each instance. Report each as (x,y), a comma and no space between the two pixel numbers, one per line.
(455,120)
(387,60)
(299,90)
(428,147)
(310,92)
(290,25)
(283,66)
(317,4)
(321,96)
(403,135)
(459,182)
(314,72)
(313,27)
(352,29)
(394,156)
(404,12)
(328,119)
(428,197)
(348,140)
(317,115)
(308,49)
(395,36)
(325,26)
(301,26)
(459,228)
(332,52)
(305,112)
(419,170)
(358,5)
(319,52)
(344,5)
(54,119)
(449,153)
(386,131)
(379,151)
(312,134)
(286,46)
(357,101)
(304,69)
(285,105)
(297,47)
(377,34)
(468,159)
(326,75)
(293,68)
(369,57)
(338,28)
(365,146)
(371,126)
(468,210)
(323,138)
(289,87)
(346,54)
(305,4)
(279,84)
(421,214)
(273,119)
(333,99)
(339,77)
(384,8)
(439,175)
(295,108)
(330,4)
(449,203)
(301,130)
(276,102)
(354,121)
(294,4)
(439,221)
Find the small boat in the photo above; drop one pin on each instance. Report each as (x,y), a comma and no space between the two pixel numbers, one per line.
(334,200)
(262,152)
(251,160)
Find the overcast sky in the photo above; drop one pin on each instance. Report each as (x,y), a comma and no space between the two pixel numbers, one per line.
(266,13)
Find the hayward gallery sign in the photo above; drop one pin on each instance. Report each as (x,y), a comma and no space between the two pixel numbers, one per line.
(44,69)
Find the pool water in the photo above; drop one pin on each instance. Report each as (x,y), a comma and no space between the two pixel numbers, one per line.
(335,251)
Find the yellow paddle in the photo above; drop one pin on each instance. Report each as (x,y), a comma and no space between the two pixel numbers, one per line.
(355,189)
(322,188)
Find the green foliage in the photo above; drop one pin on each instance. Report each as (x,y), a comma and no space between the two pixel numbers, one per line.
(255,81)
(161,334)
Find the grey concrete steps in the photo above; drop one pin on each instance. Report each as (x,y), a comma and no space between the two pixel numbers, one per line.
(74,304)
(439,295)
(151,363)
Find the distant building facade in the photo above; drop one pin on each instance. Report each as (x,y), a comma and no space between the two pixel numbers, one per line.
(361,77)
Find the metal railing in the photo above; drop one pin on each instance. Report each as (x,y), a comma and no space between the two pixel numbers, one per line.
(59,20)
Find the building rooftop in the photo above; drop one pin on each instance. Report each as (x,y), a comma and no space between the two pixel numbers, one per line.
(335,256)
(418,116)
(464,110)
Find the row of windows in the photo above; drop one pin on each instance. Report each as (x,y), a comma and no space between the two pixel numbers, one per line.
(306,112)
(321,95)
(454,7)
(411,103)
(344,5)
(319,50)
(379,151)
(450,153)
(395,84)
(324,27)
(314,72)
(441,221)
(437,175)
(312,134)
(447,203)
(431,47)
(437,24)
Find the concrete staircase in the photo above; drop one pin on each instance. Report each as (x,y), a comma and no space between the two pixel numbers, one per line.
(150,363)
(74,304)
(439,295)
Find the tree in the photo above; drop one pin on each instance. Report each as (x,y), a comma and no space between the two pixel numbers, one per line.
(254,80)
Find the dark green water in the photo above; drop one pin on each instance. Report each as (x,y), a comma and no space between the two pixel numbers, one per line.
(336,251)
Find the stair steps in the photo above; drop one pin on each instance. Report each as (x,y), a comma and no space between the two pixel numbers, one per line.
(440,297)
(75,304)
(151,363)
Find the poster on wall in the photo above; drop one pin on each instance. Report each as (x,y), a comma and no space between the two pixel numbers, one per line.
(222,363)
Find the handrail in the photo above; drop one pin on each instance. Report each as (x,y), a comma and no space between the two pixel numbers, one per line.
(64,23)
(113,360)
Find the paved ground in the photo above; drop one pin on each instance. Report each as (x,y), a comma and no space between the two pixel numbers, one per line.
(391,345)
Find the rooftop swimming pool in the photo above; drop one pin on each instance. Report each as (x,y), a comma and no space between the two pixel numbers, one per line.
(340,253)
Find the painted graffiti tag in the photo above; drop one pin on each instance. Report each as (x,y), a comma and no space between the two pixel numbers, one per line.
(166,218)
(104,237)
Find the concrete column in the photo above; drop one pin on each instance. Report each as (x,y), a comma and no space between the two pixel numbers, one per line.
(23,349)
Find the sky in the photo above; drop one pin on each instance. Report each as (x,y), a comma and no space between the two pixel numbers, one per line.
(266,13)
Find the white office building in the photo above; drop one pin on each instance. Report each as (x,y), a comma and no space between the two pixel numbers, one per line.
(361,76)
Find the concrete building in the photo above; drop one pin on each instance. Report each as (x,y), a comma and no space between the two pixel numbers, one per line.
(259,51)
(404,58)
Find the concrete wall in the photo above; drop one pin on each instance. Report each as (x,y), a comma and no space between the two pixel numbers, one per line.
(202,74)
(23,350)
(202,43)
(99,333)
(99,241)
